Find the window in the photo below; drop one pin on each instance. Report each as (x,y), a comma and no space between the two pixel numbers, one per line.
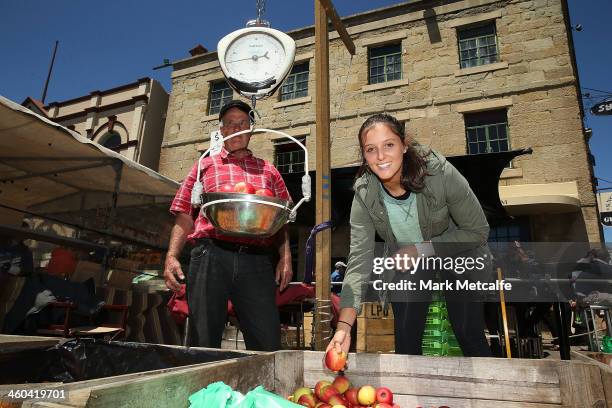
(296,85)
(385,63)
(487,132)
(515,230)
(289,157)
(477,45)
(110,140)
(220,94)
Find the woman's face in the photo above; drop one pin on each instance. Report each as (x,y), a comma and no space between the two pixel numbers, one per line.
(383,151)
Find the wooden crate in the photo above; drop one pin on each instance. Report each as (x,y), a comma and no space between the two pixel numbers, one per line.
(375,329)
(604,362)
(308,320)
(458,382)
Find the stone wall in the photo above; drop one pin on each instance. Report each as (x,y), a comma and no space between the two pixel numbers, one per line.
(534,81)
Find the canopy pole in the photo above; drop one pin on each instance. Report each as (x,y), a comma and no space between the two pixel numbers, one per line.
(118,168)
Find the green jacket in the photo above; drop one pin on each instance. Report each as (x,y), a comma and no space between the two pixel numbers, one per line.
(449,213)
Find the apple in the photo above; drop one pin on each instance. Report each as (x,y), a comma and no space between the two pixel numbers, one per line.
(383,394)
(226,188)
(341,383)
(244,187)
(264,192)
(327,392)
(322,405)
(351,396)
(307,400)
(318,389)
(382,405)
(339,406)
(366,395)
(299,392)
(335,360)
(337,400)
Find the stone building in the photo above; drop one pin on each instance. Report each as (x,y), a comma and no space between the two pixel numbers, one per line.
(128,119)
(467,77)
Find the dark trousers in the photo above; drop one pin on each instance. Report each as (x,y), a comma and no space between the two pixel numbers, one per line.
(217,274)
(465,314)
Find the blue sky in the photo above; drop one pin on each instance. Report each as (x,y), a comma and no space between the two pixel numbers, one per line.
(110,43)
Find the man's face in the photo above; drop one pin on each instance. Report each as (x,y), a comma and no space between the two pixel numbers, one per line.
(234,121)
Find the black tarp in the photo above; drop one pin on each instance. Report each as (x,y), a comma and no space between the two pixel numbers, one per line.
(88,359)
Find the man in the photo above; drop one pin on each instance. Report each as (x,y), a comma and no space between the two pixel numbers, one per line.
(337,276)
(222,267)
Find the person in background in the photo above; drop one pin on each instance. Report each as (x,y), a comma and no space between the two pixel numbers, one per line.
(337,276)
(224,268)
(409,195)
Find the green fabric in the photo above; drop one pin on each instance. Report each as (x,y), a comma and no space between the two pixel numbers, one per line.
(404,218)
(216,395)
(221,395)
(260,398)
(446,194)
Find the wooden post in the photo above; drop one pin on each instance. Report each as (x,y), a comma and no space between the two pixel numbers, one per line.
(323,178)
(323,311)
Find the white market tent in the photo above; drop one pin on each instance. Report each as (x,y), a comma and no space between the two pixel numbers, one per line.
(50,171)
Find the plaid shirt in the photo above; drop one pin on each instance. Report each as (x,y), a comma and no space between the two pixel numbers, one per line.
(223,169)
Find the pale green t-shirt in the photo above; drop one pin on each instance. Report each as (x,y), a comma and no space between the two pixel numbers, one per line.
(403,217)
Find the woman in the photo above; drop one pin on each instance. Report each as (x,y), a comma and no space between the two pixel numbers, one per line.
(408,195)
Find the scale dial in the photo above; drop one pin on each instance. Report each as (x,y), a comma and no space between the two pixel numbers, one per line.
(255,60)
(255,57)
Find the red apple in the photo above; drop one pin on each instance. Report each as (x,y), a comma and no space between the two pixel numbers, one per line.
(318,389)
(337,400)
(299,392)
(307,400)
(366,395)
(264,192)
(244,187)
(383,394)
(327,392)
(341,383)
(226,188)
(334,360)
(351,396)
(322,405)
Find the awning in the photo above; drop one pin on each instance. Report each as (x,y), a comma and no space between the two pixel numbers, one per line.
(48,170)
(482,172)
(551,198)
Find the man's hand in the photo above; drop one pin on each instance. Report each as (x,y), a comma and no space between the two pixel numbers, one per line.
(284,273)
(172,270)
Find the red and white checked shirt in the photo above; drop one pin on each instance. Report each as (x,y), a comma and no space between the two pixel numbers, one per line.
(221,169)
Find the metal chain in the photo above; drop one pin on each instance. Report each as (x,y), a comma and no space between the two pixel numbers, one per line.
(261,8)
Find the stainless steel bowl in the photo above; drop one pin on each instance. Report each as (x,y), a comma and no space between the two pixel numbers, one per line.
(245,218)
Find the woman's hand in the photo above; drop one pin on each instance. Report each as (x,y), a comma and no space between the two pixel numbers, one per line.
(406,256)
(340,342)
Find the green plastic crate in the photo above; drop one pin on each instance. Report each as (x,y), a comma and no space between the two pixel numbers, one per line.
(438,297)
(440,335)
(455,351)
(434,348)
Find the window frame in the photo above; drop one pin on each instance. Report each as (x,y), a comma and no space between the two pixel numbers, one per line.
(385,74)
(293,93)
(222,98)
(288,146)
(478,58)
(487,130)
